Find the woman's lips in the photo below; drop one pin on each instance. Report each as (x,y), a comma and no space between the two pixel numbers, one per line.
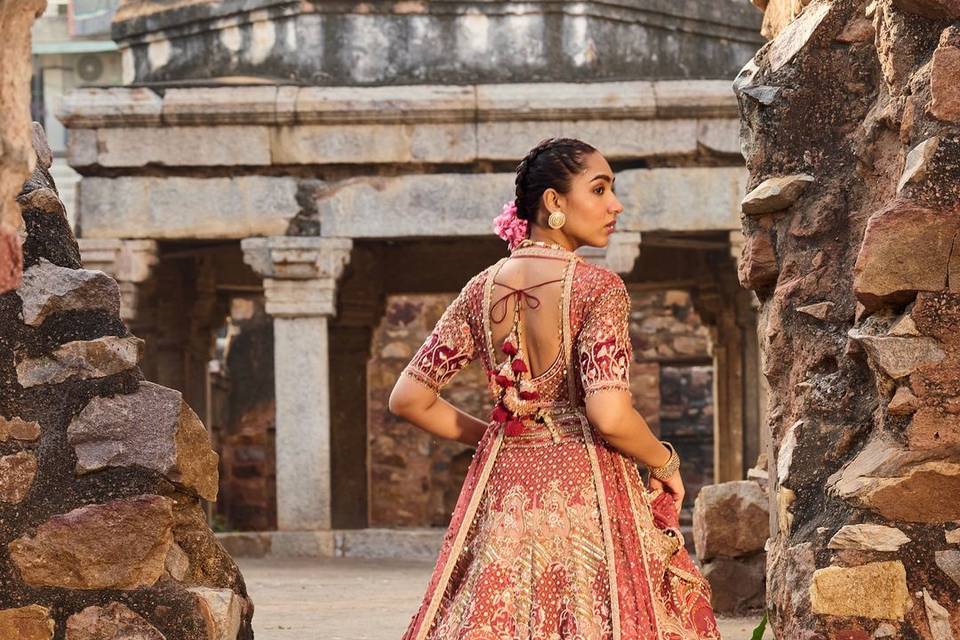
(611,227)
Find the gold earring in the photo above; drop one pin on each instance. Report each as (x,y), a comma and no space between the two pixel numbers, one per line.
(557,219)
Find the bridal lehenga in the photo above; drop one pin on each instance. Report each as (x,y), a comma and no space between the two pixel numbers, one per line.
(555,535)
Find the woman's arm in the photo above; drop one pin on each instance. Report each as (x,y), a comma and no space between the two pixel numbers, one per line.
(612,413)
(425,409)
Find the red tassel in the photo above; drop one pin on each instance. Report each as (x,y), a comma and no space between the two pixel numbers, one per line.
(514,428)
(500,413)
(503,380)
(529,395)
(518,366)
(509,348)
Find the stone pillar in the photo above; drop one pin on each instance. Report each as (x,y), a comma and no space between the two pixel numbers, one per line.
(739,394)
(300,283)
(130,262)
(619,255)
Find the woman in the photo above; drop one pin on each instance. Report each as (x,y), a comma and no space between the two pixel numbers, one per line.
(554,534)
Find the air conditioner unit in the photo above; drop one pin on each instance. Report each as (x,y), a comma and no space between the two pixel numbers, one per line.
(89,67)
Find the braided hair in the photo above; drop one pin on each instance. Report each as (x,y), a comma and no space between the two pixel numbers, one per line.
(550,164)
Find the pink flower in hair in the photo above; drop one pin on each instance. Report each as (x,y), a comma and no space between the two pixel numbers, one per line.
(508,226)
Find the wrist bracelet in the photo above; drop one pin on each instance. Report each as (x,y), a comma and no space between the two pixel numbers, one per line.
(669,467)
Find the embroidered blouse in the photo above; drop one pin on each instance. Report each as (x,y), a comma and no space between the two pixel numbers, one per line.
(599,324)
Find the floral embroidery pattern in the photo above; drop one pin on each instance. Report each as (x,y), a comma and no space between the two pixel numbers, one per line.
(451,345)
(554,535)
(604,350)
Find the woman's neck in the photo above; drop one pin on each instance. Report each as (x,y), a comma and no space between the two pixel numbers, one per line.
(539,234)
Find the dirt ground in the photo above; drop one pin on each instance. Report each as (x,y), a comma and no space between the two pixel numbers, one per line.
(354,599)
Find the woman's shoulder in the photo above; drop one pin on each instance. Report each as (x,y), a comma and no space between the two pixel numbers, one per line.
(591,280)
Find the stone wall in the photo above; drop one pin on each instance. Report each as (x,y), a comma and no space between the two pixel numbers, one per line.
(101,472)
(391,42)
(850,133)
(17,159)
(673,380)
(670,351)
(246,433)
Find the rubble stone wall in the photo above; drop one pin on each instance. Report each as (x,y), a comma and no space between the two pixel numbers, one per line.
(850,132)
(102,529)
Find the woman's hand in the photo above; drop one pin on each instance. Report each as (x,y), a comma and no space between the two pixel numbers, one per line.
(672,485)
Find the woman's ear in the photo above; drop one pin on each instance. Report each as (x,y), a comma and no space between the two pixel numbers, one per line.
(552,200)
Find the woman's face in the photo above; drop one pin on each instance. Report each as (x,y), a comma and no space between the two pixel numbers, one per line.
(591,206)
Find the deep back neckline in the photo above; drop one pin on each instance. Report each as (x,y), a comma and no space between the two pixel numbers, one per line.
(522,293)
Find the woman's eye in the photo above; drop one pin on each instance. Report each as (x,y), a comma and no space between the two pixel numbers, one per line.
(598,190)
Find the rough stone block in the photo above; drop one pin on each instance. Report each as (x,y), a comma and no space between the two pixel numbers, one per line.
(775,194)
(31,622)
(906,248)
(944,71)
(868,537)
(897,357)
(120,544)
(111,622)
(48,289)
(730,519)
(933,428)
(794,34)
(736,584)
(900,484)
(18,429)
(918,162)
(152,428)
(221,610)
(757,267)
(874,590)
(17,472)
(81,360)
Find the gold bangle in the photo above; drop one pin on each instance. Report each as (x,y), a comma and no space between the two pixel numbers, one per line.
(669,467)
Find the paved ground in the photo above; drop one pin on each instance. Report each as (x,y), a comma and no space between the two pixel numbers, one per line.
(353,599)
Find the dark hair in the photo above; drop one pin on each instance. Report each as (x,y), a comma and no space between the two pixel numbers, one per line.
(550,164)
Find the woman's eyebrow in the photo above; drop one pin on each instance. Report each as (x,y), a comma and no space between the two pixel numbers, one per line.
(603,176)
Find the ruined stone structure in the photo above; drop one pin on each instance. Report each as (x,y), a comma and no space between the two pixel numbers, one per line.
(102,531)
(312,160)
(850,132)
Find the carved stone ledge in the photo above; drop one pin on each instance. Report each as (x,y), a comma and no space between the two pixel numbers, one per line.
(300,273)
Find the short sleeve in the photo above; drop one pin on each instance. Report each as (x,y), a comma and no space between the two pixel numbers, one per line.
(449,348)
(604,351)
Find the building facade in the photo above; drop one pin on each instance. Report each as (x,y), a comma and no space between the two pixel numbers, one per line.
(278,185)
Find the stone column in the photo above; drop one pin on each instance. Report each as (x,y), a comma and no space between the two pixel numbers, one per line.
(739,394)
(619,255)
(130,262)
(300,282)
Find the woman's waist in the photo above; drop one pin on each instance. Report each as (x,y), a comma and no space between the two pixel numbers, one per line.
(549,424)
